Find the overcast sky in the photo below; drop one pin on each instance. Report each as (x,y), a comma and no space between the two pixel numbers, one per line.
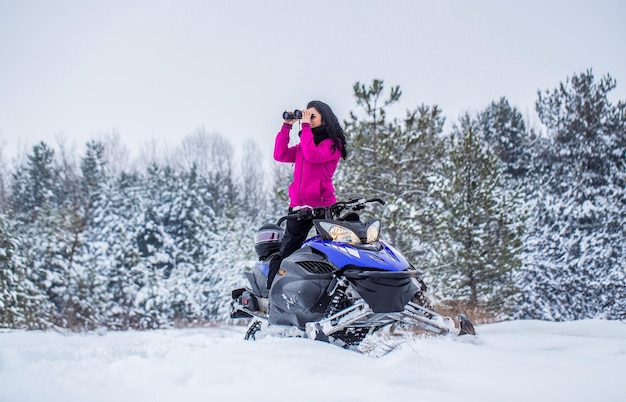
(160,70)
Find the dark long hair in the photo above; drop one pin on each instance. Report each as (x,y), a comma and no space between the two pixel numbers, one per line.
(333,128)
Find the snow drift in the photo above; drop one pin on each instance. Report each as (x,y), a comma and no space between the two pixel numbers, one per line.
(509,361)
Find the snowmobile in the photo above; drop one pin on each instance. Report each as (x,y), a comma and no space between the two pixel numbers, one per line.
(342,285)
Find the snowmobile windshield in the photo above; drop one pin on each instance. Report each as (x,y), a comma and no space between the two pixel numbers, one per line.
(349,232)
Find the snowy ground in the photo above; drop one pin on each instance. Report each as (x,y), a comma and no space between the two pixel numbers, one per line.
(512,361)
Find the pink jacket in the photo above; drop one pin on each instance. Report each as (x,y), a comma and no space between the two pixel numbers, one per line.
(314,167)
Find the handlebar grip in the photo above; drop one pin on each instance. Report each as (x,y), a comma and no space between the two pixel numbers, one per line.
(378,200)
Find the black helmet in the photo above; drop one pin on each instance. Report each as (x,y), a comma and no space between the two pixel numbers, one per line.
(267,239)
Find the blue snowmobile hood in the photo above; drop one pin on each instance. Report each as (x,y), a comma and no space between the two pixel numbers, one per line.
(342,254)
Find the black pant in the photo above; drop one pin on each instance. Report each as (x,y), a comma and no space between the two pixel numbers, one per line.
(296,232)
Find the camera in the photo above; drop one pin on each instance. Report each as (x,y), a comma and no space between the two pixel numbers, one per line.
(296,114)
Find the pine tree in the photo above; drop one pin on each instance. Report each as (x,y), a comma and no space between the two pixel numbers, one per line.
(113,247)
(579,237)
(44,204)
(191,217)
(9,282)
(20,302)
(156,245)
(502,127)
(87,304)
(253,188)
(33,186)
(3,181)
(360,174)
(478,245)
(282,175)
(395,160)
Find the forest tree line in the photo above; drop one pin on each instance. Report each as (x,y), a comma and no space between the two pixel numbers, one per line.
(525,222)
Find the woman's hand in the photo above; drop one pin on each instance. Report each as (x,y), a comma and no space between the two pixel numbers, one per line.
(306,116)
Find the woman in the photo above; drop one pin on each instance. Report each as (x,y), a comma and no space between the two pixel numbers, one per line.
(315,158)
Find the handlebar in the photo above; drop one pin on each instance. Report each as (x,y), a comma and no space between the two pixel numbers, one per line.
(331,212)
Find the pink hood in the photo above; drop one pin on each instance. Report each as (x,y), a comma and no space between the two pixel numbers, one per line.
(313,170)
